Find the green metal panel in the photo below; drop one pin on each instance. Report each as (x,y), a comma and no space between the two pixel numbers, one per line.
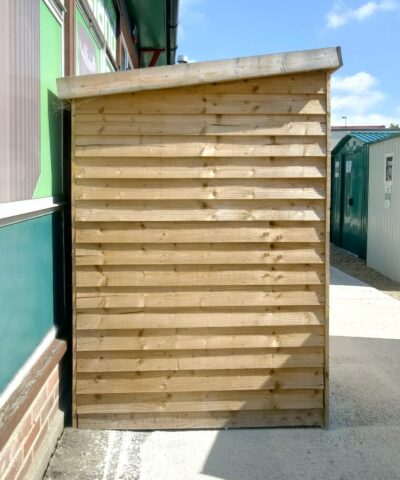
(31,288)
(151,22)
(355,198)
(156,21)
(50,179)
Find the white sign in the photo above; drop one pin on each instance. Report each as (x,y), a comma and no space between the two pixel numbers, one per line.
(348,166)
(388,197)
(337,169)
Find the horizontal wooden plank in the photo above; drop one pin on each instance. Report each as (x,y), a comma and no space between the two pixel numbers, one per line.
(304,83)
(111,297)
(198,360)
(311,83)
(200,401)
(240,168)
(208,189)
(202,253)
(206,338)
(184,275)
(209,103)
(199,210)
(195,381)
(185,420)
(128,124)
(102,146)
(275,316)
(186,232)
(323,60)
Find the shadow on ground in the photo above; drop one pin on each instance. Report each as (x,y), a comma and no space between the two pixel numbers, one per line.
(363,439)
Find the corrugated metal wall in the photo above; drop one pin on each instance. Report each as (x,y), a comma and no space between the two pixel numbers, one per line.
(383,251)
(20,101)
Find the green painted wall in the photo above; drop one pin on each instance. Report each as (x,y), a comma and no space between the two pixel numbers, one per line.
(31,288)
(50,180)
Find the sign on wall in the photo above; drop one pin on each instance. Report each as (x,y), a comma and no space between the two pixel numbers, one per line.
(87,48)
(87,64)
(106,17)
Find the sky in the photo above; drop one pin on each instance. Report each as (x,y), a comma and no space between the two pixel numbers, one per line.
(366,89)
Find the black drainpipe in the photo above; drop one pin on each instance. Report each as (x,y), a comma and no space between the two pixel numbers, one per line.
(172,30)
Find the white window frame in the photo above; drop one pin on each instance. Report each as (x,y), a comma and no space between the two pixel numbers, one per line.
(14,212)
(20,210)
(129,65)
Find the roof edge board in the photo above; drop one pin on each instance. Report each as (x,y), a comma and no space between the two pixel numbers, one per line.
(350,135)
(172,76)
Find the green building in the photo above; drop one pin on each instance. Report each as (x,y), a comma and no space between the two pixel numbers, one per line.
(43,40)
(349,190)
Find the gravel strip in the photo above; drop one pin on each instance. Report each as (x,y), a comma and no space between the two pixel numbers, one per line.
(356,267)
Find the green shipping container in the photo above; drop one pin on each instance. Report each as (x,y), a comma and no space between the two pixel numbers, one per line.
(349,201)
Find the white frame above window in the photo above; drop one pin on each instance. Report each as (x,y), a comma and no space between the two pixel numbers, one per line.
(13,212)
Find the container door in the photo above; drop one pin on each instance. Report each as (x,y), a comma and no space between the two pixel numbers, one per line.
(337,199)
(354,203)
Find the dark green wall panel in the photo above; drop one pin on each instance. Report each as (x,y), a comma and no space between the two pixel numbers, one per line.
(31,288)
(349,199)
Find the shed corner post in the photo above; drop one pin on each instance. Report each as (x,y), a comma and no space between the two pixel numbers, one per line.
(327,248)
(73,289)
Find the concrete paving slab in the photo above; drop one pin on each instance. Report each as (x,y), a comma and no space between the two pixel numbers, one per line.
(358,310)
(363,441)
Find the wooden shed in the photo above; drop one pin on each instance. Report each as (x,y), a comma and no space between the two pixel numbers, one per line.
(200,247)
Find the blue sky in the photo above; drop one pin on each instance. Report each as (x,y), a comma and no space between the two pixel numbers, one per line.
(366,89)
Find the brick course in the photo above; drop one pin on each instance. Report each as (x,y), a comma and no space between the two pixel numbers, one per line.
(18,454)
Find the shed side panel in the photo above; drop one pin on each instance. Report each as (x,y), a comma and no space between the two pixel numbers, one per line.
(383,253)
(199,255)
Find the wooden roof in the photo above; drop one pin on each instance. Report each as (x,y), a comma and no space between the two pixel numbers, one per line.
(197,73)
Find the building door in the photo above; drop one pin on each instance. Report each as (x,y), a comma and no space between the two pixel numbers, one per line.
(337,189)
(355,202)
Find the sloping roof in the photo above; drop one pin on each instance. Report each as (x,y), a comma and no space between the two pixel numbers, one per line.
(368,137)
(171,76)
(365,137)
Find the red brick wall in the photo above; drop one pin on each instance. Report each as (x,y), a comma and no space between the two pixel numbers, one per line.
(22,448)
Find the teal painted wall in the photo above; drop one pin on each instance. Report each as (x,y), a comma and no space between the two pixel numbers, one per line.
(31,288)
(349,197)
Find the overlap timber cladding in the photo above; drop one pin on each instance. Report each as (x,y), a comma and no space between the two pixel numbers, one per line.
(199,255)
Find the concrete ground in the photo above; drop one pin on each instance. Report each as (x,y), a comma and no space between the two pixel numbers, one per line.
(363,441)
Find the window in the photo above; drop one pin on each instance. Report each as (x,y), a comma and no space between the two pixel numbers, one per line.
(389,169)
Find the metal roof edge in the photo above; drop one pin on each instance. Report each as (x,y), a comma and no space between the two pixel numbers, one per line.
(389,137)
(346,138)
(341,143)
(172,76)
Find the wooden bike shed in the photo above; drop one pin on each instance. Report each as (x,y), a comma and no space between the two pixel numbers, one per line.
(200,248)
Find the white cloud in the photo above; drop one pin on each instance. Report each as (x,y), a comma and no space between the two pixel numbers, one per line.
(340,15)
(190,16)
(361,81)
(358,98)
